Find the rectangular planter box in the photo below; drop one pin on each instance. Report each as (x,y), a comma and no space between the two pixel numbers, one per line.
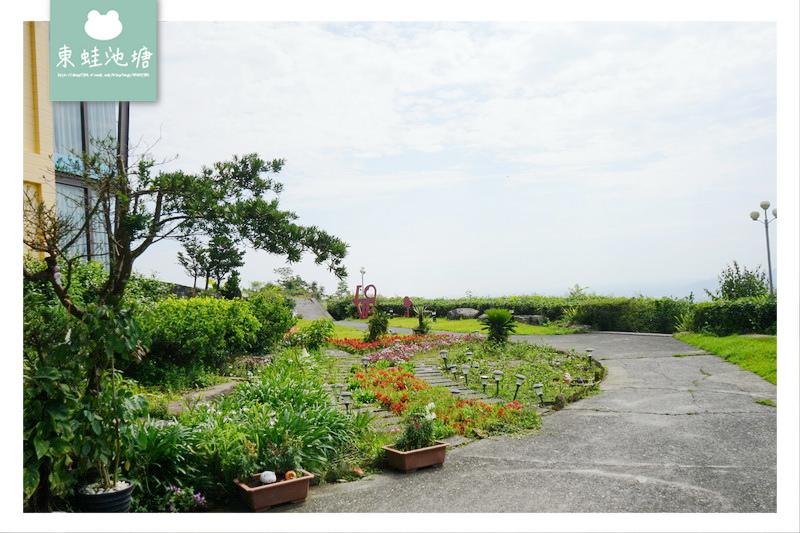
(263,497)
(413,459)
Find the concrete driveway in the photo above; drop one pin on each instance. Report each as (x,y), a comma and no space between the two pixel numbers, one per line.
(667,434)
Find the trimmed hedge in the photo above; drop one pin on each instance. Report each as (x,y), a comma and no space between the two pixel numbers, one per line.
(208,331)
(632,314)
(650,315)
(743,315)
(551,307)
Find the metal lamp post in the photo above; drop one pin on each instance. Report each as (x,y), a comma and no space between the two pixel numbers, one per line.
(754,215)
(362,275)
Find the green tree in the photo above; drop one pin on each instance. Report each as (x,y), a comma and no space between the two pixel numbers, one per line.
(136,207)
(223,258)
(740,282)
(193,259)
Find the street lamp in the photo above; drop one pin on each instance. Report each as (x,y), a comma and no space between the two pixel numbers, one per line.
(754,215)
(362,275)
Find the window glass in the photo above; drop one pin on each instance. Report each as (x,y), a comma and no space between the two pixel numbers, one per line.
(101,121)
(67,130)
(70,205)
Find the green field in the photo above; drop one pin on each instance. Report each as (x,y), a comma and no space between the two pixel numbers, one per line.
(470,325)
(339,332)
(756,354)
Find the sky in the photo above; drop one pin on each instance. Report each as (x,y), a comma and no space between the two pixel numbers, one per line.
(487,158)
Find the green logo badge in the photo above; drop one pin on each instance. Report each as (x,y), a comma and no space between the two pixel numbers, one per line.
(103,50)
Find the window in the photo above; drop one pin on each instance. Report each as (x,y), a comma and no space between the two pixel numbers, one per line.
(76,125)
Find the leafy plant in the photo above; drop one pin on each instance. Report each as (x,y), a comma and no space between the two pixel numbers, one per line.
(499,323)
(378,326)
(159,456)
(424,321)
(740,282)
(418,429)
(313,336)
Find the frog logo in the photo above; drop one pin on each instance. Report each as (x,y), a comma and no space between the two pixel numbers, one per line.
(103,27)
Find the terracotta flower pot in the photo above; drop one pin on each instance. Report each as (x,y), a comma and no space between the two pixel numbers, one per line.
(262,497)
(413,459)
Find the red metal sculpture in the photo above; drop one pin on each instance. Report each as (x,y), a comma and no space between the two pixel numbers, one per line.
(364,304)
(407,303)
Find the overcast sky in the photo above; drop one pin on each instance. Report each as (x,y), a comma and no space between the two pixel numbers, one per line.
(496,158)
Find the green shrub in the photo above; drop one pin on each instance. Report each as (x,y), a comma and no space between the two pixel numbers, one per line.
(499,323)
(378,325)
(161,455)
(743,315)
(314,336)
(631,314)
(283,419)
(274,312)
(201,331)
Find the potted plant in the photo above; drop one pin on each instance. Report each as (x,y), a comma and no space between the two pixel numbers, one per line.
(262,491)
(416,447)
(281,482)
(109,406)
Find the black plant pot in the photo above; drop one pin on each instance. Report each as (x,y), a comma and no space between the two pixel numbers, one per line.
(107,502)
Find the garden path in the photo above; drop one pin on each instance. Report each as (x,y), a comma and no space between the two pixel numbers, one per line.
(668,435)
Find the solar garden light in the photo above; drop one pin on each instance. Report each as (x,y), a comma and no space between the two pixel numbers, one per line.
(520,379)
(346,399)
(468,355)
(365,362)
(465,371)
(498,375)
(443,355)
(484,381)
(397,342)
(589,353)
(433,315)
(454,370)
(537,390)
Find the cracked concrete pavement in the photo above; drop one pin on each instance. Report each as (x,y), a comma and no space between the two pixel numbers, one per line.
(667,434)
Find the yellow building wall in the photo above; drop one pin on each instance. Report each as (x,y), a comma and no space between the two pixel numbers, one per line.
(37,129)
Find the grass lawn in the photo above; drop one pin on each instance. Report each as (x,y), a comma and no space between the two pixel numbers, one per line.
(470,325)
(756,354)
(339,332)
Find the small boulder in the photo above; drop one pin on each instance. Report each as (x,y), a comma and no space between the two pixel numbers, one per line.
(462,313)
(532,320)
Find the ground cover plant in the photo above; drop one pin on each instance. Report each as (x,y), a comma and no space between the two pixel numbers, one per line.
(757,354)
(569,374)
